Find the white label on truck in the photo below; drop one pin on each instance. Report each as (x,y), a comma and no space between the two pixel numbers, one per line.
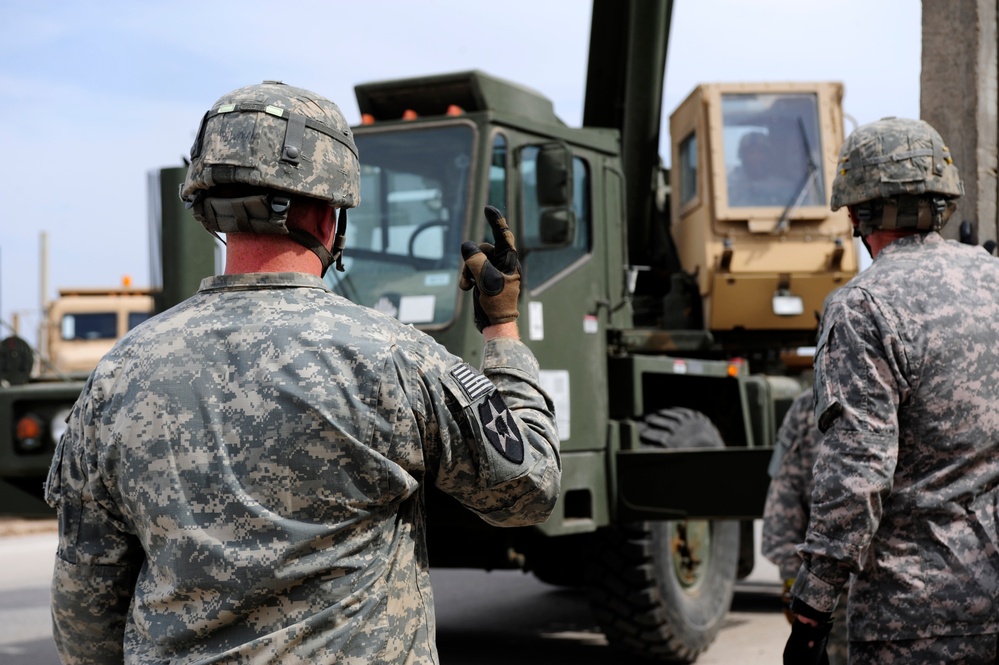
(437,279)
(556,383)
(535,320)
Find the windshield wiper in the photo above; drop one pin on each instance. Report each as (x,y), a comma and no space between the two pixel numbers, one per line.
(785,217)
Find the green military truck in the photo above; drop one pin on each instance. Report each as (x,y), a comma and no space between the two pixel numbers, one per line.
(661,304)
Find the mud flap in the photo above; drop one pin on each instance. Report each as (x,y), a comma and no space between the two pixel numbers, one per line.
(730,483)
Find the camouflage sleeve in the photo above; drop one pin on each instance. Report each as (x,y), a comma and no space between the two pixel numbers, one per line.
(97,563)
(499,455)
(785,514)
(860,367)
(797,423)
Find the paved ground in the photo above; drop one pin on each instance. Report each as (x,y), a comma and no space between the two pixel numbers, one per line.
(483,618)
(15,526)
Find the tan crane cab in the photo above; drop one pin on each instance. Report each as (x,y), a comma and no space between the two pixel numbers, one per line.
(753,166)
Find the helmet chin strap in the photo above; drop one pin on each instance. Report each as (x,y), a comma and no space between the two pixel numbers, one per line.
(309,241)
(326,258)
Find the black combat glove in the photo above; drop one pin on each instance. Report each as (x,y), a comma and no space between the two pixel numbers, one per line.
(492,272)
(807,643)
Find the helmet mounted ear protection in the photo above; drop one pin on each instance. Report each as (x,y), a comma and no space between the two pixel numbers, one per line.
(276,141)
(896,174)
(928,213)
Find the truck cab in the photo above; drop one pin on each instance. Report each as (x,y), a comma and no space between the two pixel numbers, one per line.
(83,324)
(434,152)
(36,393)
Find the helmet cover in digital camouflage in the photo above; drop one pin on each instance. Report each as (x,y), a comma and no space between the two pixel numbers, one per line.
(894,158)
(278,137)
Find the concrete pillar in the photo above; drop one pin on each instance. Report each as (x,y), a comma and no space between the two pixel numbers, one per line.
(958,96)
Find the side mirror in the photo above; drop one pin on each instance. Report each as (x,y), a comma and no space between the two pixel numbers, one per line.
(557,227)
(557,223)
(554,176)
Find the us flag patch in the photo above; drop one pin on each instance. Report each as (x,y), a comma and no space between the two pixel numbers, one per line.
(474,384)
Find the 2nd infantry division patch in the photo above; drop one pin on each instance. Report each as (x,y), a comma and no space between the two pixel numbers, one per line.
(496,419)
(500,429)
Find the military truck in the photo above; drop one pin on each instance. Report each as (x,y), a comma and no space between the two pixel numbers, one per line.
(79,328)
(37,389)
(83,324)
(661,304)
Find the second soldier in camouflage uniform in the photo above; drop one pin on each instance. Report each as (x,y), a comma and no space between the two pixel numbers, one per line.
(242,477)
(785,514)
(907,383)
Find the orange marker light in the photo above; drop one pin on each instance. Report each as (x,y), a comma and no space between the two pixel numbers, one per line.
(454,109)
(409,114)
(29,427)
(367,119)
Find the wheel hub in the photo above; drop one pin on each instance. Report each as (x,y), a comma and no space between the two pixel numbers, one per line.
(690,546)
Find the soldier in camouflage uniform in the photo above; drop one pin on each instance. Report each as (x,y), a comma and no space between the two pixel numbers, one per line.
(785,514)
(242,477)
(907,382)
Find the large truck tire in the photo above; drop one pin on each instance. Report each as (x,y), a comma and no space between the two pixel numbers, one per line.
(660,590)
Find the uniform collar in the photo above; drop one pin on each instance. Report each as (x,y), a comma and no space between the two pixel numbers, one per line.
(262,280)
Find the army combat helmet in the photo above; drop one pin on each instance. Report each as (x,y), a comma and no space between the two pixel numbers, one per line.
(896,173)
(278,139)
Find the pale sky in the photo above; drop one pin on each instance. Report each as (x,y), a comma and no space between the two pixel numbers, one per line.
(100,93)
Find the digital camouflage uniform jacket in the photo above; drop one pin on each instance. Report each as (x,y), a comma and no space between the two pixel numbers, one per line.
(907,388)
(786,511)
(241,479)
(785,514)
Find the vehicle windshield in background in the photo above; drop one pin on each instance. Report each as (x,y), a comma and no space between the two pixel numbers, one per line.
(402,255)
(772,151)
(89,325)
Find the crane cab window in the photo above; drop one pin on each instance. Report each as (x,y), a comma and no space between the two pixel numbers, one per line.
(772,151)
(688,169)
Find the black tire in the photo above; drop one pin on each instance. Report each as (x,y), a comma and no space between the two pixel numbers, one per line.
(660,590)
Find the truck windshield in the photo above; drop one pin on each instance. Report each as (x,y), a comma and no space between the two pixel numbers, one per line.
(772,150)
(402,253)
(92,325)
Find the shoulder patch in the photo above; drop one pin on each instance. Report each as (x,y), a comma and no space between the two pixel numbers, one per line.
(474,384)
(499,429)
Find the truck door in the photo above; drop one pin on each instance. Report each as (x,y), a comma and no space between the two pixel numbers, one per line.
(562,289)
